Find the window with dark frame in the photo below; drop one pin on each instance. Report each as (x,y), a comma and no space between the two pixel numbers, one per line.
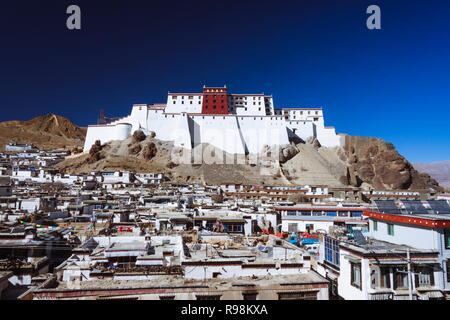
(390,229)
(355,274)
(249,295)
(302,295)
(448,270)
(400,278)
(385,277)
(424,276)
(447,238)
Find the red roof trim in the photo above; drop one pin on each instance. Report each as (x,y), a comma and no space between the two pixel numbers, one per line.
(444,223)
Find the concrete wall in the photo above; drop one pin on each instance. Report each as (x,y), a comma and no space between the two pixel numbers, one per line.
(416,237)
(301,129)
(217,130)
(199,272)
(345,289)
(106,133)
(301,224)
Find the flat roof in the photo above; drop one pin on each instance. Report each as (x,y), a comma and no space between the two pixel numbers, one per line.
(378,247)
(178,282)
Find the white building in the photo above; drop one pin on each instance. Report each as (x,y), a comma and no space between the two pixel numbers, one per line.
(377,268)
(237,124)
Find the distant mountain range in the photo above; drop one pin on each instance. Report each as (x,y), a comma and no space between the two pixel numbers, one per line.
(438,170)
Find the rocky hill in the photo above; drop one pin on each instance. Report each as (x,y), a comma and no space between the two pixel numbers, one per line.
(152,155)
(46,132)
(364,162)
(439,170)
(375,162)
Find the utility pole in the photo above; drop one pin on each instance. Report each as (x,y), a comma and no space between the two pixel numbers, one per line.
(409,274)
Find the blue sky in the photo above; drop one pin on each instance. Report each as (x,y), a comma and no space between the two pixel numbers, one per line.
(391,83)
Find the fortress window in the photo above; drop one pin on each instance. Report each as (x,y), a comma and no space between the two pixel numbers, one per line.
(214,107)
(191,102)
(174,97)
(199,102)
(316,119)
(191,97)
(182,102)
(317,112)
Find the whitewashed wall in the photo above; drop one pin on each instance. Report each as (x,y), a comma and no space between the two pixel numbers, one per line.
(234,134)
(416,237)
(345,289)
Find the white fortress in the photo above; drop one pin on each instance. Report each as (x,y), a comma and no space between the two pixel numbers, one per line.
(235,123)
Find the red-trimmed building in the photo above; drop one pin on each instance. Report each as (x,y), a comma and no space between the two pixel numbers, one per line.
(421,231)
(215,100)
(376,267)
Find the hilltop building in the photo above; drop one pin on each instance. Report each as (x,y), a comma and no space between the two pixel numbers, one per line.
(235,123)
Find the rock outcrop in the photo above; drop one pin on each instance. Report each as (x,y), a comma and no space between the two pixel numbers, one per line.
(287,153)
(373,161)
